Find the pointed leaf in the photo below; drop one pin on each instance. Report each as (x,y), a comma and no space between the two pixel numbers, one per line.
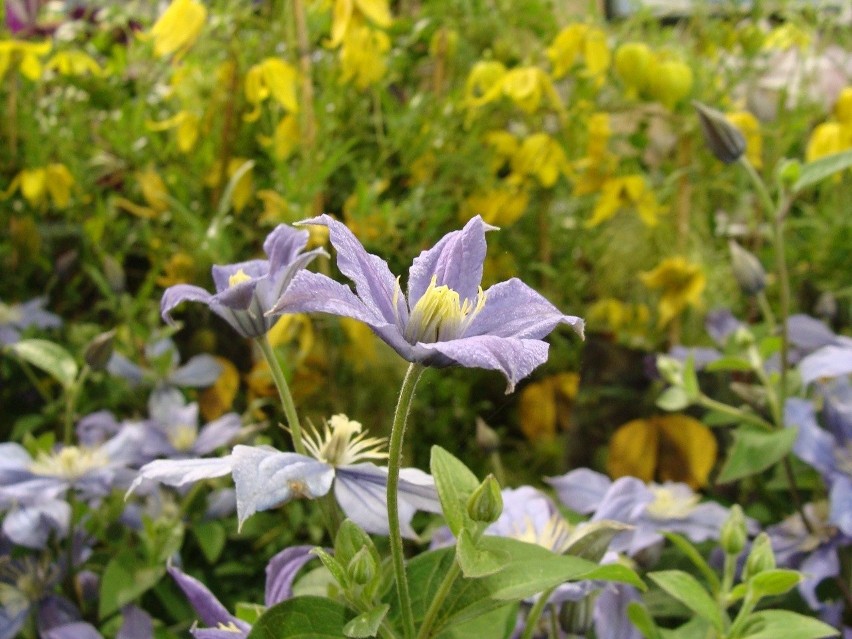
(695,557)
(770,583)
(302,618)
(455,483)
(591,540)
(673,398)
(755,450)
(783,624)
(49,357)
(642,619)
(686,589)
(366,624)
(476,561)
(818,170)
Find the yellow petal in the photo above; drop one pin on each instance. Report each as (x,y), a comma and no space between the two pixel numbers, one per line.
(59,183)
(33,185)
(340,19)
(687,450)
(179,27)
(484,83)
(596,52)
(281,79)
(217,400)
(633,450)
(286,138)
(187,132)
(136,209)
(376,10)
(566,48)
(154,190)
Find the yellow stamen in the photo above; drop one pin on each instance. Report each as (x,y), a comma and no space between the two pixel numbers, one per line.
(440,314)
(238,278)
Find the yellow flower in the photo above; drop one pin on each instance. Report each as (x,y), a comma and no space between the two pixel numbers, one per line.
(362,56)
(53,182)
(180,269)
(501,206)
(598,126)
(623,192)
(633,61)
(186,123)
(545,406)
(540,156)
(750,128)
(526,86)
(26,55)
(669,81)
(663,448)
(576,41)
(73,63)
(348,13)
(843,107)
(505,146)
(681,284)
(154,192)
(484,84)
(217,399)
(827,138)
(244,188)
(787,36)
(178,28)
(275,78)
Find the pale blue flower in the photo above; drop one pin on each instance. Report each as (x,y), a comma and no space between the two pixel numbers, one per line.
(164,367)
(446,318)
(15,318)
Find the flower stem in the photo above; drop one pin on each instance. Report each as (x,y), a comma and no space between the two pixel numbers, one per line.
(71,396)
(403,406)
(438,600)
(283,393)
(535,614)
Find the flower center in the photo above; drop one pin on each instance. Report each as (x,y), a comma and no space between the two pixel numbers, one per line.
(238,278)
(183,436)
(228,627)
(669,505)
(69,463)
(440,314)
(553,535)
(342,443)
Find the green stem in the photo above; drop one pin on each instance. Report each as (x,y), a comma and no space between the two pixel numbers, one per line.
(766,309)
(403,406)
(727,409)
(535,614)
(283,393)
(71,403)
(438,600)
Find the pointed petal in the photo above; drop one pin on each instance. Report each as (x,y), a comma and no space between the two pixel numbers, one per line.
(179,293)
(137,624)
(281,572)
(375,284)
(266,478)
(178,472)
(581,490)
(119,366)
(198,372)
(828,361)
(840,498)
(30,526)
(254,269)
(270,289)
(74,630)
(813,445)
(361,491)
(456,260)
(217,433)
(624,501)
(513,309)
(283,244)
(206,605)
(515,358)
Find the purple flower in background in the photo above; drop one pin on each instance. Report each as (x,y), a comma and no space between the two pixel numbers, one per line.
(446,318)
(22,15)
(165,368)
(280,574)
(650,508)
(265,478)
(246,292)
(172,430)
(16,317)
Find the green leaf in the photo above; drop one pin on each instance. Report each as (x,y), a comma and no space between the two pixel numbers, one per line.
(770,583)
(783,624)
(673,399)
(591,540)
(125,578)
(249,612)
(211,537)
(366,624)
(769,345)
(714,418)
(496,624)
(49,357)
(729,363)
(337,571)
(687,589)
(695,557)
(641,618)
(476,561)
(690,380)
(818,170)
(455,483)
(754,450)
(302,618)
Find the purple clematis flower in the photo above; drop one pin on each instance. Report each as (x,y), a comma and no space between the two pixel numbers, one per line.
(446,318)
(246,292)
(280,574)
(16,317)
(650,508)
(165,367)
(265,478)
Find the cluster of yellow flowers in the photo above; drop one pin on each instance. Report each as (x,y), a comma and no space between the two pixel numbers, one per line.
(835,135)
(358,30)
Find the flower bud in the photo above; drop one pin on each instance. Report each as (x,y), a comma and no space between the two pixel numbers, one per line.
(363,567)
(577,617)
(722,137)
(632,62)
(670,82)
(486,502)
(99,351)
(350,540)
(788,172)
(670,369)
(733,535)
(114,274)
(486,437)
(761,558)
(748,270)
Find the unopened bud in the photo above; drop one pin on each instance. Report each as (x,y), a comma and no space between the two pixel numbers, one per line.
(114,274)
(733,535)
(577,617)
(748,270)
(789,172)
(670,369)
(99,351)
(632,61)
(670,82)
(486,502)
(761,558)
(350,540)
(723,139)
(363,568)
(486,437)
